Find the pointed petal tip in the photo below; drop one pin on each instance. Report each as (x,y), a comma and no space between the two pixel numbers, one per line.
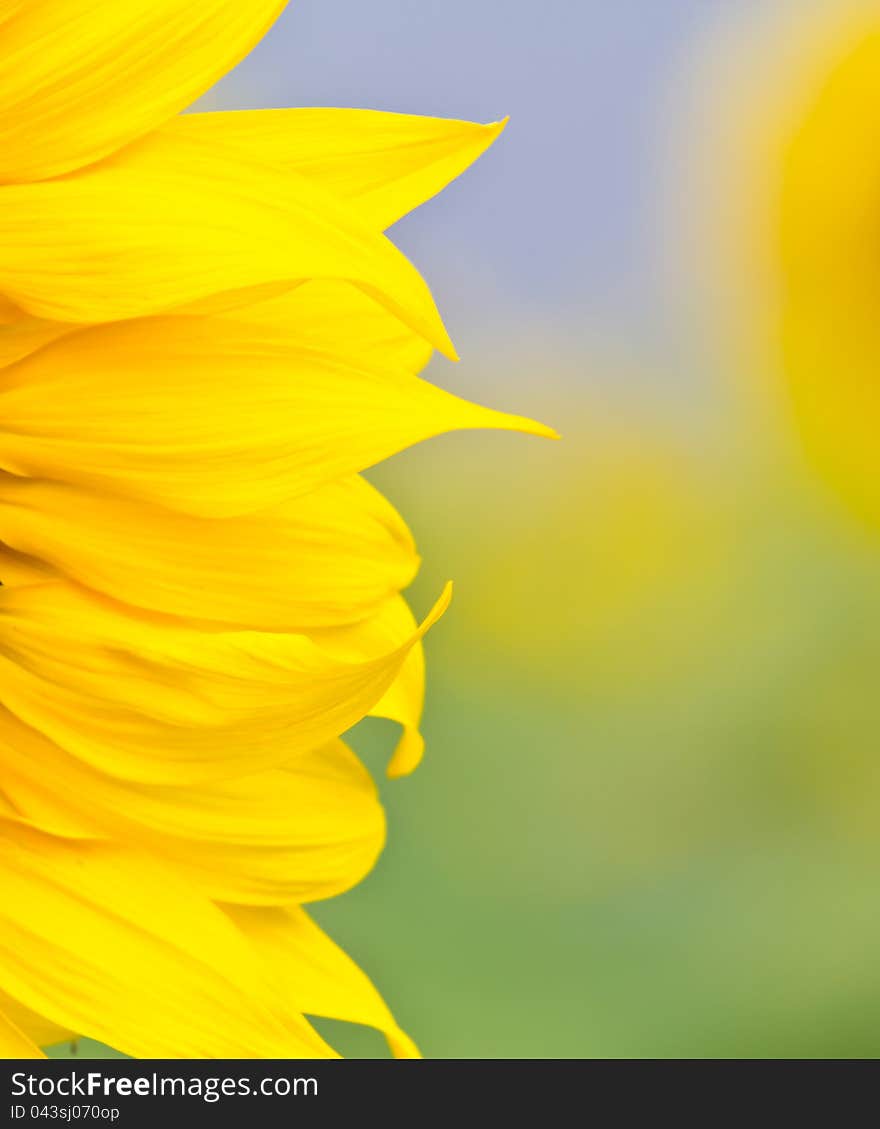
(525,425)
(543,431)
(478,416)
(444,345)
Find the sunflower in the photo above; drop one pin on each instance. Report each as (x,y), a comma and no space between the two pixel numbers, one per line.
(830,220)
(796,143)
(206,338)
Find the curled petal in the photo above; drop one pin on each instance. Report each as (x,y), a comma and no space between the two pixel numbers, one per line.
(404,699)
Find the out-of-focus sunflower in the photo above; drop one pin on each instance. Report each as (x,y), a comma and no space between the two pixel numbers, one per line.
(830,260)
(797,146)
(206,338)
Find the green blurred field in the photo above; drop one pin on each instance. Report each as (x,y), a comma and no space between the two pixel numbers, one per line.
(646,824)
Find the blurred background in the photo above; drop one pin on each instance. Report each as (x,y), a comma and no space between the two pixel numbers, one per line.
(647,821)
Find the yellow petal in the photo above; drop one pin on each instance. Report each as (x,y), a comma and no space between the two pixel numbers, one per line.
(79,80)
(172,220)
(148,699)
(404,699)
(387,163)
(825,325)
(326,315)
(334,318)
(213,416)
(25,334)
(17,569)
(328,557)
(307,830)
(35,1028)
(14,1043)
(311,974)
(403,702)
(108,942)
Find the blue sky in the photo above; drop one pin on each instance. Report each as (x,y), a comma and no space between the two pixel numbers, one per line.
(556,221)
